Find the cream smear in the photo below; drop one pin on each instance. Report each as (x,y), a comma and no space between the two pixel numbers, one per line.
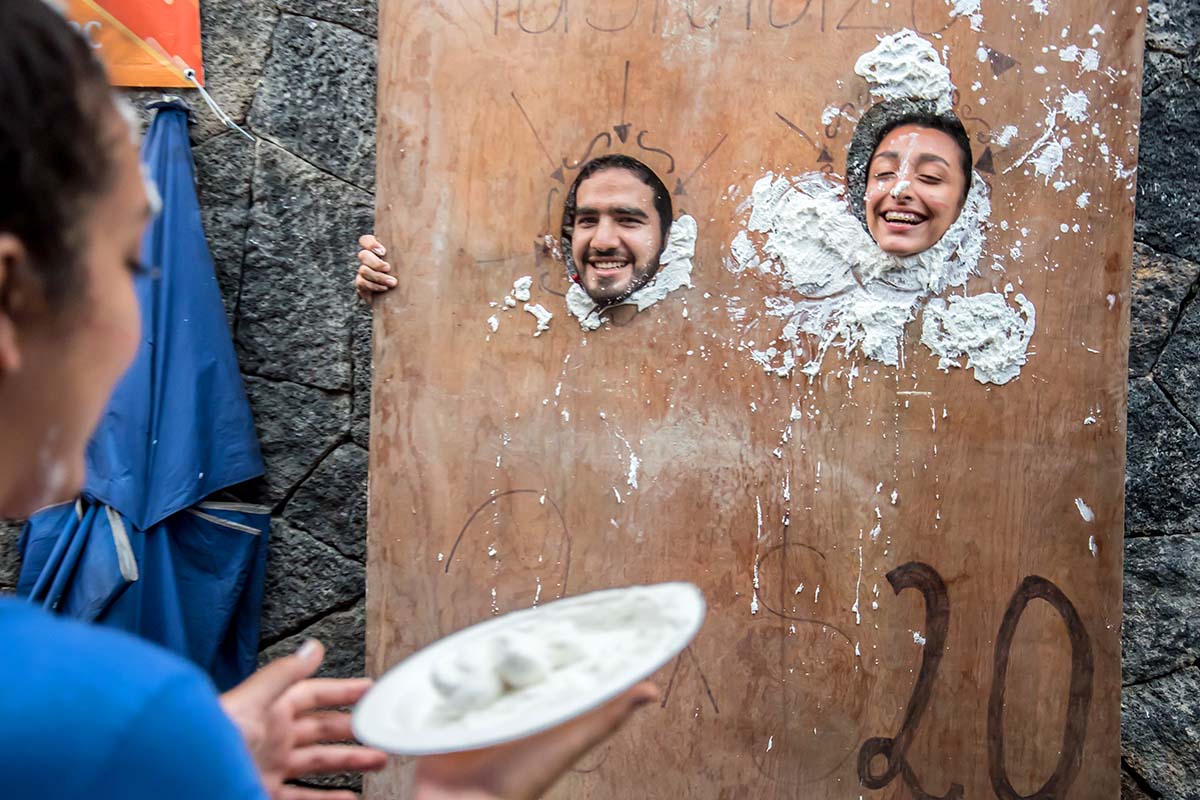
(903,65)
(558,654)
(838,285)
(674,272)
(542,316)
(991,334)
(840,289)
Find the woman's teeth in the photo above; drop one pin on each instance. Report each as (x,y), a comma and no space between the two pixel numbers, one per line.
(907,217)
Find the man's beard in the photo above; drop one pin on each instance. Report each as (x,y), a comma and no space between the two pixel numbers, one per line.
(639,278)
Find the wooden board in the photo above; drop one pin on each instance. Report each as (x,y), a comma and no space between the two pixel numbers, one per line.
(972,643)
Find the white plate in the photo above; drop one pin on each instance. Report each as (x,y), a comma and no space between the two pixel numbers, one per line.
(398,713)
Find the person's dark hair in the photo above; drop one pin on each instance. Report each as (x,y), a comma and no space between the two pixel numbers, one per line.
(55,143)
(662,198)
(883,118)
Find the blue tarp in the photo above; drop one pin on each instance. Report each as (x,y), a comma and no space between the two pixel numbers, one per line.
(140,550)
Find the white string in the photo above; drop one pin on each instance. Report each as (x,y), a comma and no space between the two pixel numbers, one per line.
(190,74)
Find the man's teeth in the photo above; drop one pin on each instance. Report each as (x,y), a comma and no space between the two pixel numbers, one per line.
(904,216)
(609,264)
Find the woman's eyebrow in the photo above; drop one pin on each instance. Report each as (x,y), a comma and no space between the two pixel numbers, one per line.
(925,158)
(886,154)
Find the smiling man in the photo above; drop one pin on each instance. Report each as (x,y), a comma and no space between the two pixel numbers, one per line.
(616,218)
(615,222)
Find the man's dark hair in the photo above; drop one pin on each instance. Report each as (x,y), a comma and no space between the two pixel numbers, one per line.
(55,140)
(883,118)
(662,197)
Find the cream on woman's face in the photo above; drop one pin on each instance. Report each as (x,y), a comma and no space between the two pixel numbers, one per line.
(915,188)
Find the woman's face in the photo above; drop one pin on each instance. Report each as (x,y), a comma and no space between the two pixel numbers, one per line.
(915,187)
(69,357)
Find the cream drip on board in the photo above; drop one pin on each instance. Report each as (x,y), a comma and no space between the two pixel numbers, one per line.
(842,290)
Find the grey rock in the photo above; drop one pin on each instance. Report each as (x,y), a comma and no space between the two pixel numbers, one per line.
(296,426)
(1162,605)
(1159,68)
(1160,284)
(1178,369)
(224,167)
(1160,733)
(331,504)
(1168,205)
(317,97)
(343,633)
(1130,790)
(306,580)
(359,15)
(1162,469)
(1173,25)
(10,560)
(297,298)
(360,351)
(235,38)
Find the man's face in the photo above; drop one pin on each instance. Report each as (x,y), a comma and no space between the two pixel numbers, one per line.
(617,236)
(914,189)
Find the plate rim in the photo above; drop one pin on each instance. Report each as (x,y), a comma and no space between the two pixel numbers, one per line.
(393,674)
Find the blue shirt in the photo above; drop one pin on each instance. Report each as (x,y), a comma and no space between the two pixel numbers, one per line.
(94,713)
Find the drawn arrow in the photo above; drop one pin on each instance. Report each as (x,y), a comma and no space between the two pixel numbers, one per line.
(556,171)
(622,128)
(605,135)
(796,129)
(1000,62)
(661,152)
(680,185)
(984,164)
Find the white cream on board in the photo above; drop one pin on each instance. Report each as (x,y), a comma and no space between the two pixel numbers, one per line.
(840,288)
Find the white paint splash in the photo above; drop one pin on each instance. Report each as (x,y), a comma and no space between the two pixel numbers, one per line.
(674,272)
(1088,58)
(1083,200)
(494,323)
(542,315)
(521,287)
(991,334)
(1084,511)
(754,595)
(1050,159)
(903,65)
(1005,135)
(1075,105)
(970,10)
(1040,7)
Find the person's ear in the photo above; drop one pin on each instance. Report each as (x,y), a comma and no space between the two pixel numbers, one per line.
(12,262)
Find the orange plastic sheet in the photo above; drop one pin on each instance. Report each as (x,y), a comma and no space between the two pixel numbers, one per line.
(142,42)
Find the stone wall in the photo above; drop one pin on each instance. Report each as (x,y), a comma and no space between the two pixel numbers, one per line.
(282,216)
